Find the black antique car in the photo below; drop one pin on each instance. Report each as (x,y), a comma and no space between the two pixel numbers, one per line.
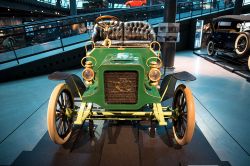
(230,36)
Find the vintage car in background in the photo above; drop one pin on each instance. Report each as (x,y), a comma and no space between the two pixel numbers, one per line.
(121,82)
(188,5)
(230,36)
(136,3)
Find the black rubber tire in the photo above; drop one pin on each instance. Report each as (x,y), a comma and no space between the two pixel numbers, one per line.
(183,100)
(56,112)
(242,44)
(210,48)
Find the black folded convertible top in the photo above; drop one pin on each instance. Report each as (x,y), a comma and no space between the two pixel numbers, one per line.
(232,18)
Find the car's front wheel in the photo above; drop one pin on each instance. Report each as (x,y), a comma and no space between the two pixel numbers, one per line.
(60,108)
(210,48)
(184,123)
(242,44)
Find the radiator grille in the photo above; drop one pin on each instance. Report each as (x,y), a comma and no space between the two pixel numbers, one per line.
(121,87)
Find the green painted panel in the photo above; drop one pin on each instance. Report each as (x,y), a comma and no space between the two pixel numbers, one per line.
(127,59)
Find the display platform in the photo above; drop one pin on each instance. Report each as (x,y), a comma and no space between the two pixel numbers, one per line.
(123,143)
(237,66)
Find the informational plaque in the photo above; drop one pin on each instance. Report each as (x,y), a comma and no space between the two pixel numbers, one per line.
(168,32)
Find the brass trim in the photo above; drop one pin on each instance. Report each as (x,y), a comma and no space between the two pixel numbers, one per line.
(78,91)
(103,25)
(107,43)
(84,65)
(156,43)
(154,79)
(88,54)
(158,55)
(120,48)
(159,66)
(113,46)
(154,83)
(166,89)
(93,46)
(92,71)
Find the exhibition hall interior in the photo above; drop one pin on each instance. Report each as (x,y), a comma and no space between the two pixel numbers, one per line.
(125,82)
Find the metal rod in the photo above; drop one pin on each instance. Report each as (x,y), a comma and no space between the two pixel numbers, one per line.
(14,53)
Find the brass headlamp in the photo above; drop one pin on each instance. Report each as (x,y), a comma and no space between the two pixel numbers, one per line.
(88,73)
(154,74)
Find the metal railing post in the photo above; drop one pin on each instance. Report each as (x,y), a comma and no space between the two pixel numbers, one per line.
(60,36)
(192,6)
(178,8)
(14,53)
(11,45)
(202,2)
(211,2)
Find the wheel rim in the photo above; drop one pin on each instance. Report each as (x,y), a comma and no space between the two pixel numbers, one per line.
(210,48)
(180,124)
(241,44)
(63,122)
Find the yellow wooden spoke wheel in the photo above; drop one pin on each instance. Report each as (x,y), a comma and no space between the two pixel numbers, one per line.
(184,124)
(59,118)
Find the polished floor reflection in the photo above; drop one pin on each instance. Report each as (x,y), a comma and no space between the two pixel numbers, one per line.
(221,98)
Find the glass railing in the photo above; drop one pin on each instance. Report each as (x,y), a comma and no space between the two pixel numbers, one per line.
(20,41)
(183,4)
(28,40)
(200,7)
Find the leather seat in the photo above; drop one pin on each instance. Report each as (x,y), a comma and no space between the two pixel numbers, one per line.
(128,33)
(138,30)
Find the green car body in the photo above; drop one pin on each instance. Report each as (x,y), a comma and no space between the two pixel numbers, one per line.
(118,59)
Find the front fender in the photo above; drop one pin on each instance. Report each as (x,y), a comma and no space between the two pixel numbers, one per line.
(169,81)
(74,82)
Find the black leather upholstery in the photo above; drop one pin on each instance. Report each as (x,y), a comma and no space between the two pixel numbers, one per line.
(138,30)
(126,31)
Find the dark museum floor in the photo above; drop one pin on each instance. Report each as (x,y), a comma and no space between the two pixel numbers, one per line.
(222,125)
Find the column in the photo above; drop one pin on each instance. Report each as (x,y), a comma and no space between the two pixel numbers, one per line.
(238,6)
(58,3)
(73,9)
(169,49)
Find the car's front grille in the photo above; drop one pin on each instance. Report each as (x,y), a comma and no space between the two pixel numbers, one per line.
(121,87)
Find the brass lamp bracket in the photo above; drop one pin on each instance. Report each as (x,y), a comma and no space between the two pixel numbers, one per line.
(89,57)
(158,59)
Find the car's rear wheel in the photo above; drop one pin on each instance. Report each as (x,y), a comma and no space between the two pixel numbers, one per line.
(184,123)
(242,44)
(59,121)
(210,48)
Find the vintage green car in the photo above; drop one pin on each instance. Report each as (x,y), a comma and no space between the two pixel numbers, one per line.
(121,82)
